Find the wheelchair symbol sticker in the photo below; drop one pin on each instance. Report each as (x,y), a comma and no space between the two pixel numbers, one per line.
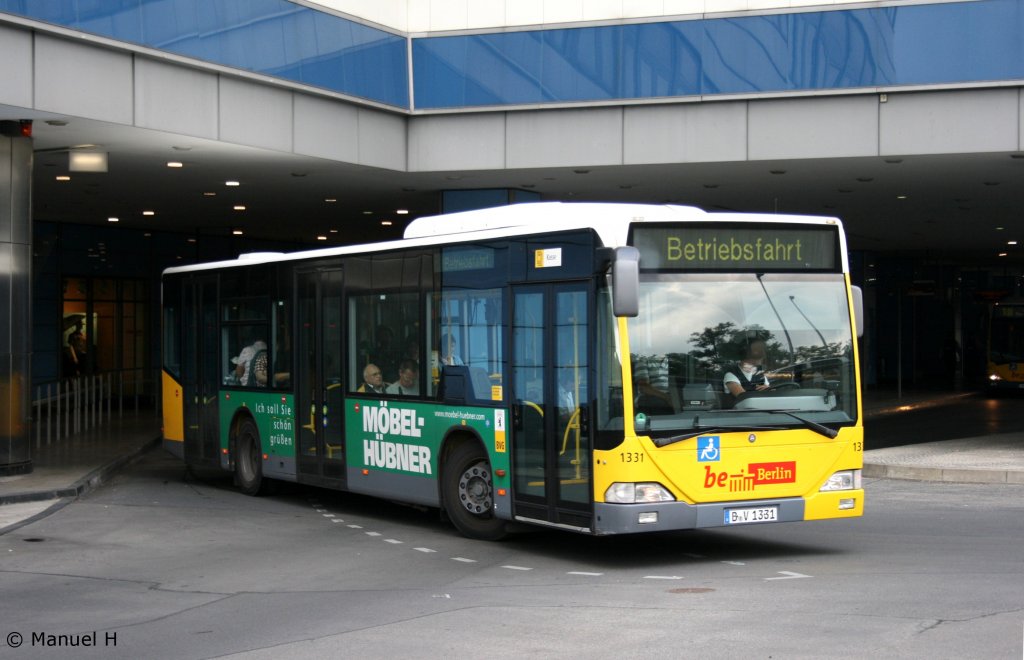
(708,449)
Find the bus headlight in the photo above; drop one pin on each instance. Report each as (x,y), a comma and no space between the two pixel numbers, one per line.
(630,493)
(843,480)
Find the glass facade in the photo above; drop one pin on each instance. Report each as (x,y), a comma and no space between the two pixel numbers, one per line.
(793,52)
(272,37)
(932,44)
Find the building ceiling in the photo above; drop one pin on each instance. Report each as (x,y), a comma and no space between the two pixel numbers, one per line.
(963,207)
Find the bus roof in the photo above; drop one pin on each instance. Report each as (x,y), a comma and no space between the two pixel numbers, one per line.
(610,221)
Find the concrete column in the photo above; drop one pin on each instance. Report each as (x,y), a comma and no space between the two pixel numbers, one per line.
(15,299)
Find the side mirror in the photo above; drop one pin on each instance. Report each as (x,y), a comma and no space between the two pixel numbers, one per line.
(626,282)
(858,309)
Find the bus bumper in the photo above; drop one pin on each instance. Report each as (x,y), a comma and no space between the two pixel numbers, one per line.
(666,516)
(626,518)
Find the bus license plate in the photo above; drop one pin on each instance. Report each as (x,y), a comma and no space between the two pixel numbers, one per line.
(754,514)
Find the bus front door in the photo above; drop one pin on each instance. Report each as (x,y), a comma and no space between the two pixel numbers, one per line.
(201,373)
(321,450)
(550,441)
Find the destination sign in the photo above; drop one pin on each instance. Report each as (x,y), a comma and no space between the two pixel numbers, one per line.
(728,247)
(462,259)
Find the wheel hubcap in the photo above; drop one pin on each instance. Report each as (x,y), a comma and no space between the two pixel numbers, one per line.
(475,489)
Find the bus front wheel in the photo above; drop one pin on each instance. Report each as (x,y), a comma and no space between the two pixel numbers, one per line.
(469,494)
(248,461)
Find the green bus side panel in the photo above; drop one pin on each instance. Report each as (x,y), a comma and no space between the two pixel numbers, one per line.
(274,414)
(404,437)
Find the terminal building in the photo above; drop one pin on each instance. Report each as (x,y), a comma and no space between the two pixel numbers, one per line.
(136,135)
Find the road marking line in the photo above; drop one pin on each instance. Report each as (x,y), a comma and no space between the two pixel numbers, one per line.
(789,575)
(735,563)
(328,515)
(356,526)
(584,573)
(337,520)
(395,541)
(373,533)
(517,568)
(464,560)
(663,577)
(424,550)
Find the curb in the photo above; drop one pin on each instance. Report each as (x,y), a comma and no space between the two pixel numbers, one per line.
(943,475)
(86,483)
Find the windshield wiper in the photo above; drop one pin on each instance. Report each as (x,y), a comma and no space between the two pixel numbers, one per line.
(809,423)
(697,429)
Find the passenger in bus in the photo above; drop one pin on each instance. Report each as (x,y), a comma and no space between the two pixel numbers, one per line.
(408,383)
(245,362)
(651,383)
(450,350)
(748,374)
(373,380)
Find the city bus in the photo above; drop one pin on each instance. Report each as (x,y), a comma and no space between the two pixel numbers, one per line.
(554,364)
(1004,348)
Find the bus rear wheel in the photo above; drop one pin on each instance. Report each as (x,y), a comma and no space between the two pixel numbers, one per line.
(469,494)
(248,461)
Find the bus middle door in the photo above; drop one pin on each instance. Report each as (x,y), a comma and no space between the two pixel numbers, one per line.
(318,410)
(551,447)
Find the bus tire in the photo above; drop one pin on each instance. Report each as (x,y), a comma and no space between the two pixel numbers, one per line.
(468,492)
(248,460)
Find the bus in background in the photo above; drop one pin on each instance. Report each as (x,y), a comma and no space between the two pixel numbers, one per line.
(598,368)
(1004,348)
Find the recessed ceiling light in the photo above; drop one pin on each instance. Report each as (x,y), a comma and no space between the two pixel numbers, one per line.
(113,219)
(331,200)
(367,212)
(321,237)
(209,194)
(237,232)
(239,207)
(1002,254)
(402,211)
(149,213)
(63,177)
(191,240)
(1011,242)
(901,196)
(334,231)
(232,183)
(174,164)
(386,223)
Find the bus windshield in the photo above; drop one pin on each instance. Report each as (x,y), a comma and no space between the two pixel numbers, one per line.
(783,341)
